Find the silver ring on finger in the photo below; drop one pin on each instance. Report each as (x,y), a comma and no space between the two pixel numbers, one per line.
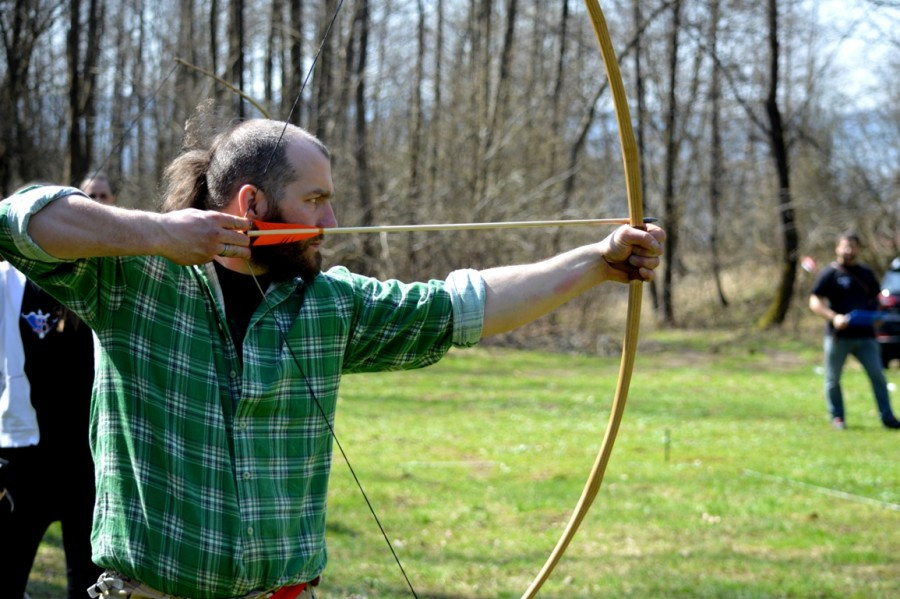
(225,250)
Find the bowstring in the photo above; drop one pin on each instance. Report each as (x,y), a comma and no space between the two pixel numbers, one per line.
(337,441)
(283,334)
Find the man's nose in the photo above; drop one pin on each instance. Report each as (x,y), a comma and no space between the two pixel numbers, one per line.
(327,219)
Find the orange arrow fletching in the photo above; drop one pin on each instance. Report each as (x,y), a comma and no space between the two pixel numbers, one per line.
(265,233)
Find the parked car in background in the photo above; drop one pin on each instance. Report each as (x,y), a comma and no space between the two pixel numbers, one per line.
(887,331)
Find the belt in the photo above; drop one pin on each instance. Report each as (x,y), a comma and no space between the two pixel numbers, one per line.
(112,584)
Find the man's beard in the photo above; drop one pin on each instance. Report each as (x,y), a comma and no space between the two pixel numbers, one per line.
(285,261)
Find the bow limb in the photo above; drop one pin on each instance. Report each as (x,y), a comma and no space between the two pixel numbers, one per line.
(629,349)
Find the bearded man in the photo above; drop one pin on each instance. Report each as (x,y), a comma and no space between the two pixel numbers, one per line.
(843,286)
(214,401)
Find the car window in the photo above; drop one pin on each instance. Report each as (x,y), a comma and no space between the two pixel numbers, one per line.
(891,281)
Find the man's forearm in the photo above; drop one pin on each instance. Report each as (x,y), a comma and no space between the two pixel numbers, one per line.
(516,295)
(820,307)
(77,227)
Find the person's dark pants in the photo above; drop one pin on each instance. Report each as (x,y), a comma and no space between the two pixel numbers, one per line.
(47,486)
(866,350)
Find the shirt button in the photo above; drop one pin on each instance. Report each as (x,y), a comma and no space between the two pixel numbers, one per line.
(233,374)
(246,475)
(250,531)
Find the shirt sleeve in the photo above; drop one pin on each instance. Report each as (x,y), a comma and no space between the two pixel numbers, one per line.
(822,285)
(466,289)
(25,204)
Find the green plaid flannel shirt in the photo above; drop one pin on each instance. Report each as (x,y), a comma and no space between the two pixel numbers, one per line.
(212,474)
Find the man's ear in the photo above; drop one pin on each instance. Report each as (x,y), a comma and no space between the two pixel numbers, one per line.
(251,202)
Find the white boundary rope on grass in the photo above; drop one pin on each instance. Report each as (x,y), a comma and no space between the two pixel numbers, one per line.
(826,490)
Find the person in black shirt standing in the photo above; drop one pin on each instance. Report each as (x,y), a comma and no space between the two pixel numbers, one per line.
(844,286)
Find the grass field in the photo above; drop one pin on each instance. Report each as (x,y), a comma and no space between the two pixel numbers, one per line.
(726,480)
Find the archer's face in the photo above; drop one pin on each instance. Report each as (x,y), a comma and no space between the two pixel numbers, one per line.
(306,201)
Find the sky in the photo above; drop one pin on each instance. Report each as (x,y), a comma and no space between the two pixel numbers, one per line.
(871,40)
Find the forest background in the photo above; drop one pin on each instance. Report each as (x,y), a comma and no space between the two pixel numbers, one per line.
(758,140)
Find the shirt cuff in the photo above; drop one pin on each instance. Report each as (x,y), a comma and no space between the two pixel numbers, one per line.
(466,288)
(24,205)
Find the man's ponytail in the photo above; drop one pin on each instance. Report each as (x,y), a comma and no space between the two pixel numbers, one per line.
(185,184)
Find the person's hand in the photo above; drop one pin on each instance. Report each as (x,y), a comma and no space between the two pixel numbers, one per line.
(197,236)
(632,253)
(840,321)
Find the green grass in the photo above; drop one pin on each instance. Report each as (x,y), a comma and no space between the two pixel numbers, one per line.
(722,483)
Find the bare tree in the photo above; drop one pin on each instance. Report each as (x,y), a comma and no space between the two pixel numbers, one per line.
(82,70)
(777,311)
(213,25)
(671,212)
(481,25)
(292,71)
(186,79)
(417,116)
(236,51)
(22,23)
(323,108)
(716,158)
(361,155)
(438,104)
(138,97)
(274,49)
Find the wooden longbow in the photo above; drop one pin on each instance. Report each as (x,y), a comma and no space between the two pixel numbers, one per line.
(629,349)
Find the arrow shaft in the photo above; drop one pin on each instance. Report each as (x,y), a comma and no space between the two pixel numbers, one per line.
(444,227)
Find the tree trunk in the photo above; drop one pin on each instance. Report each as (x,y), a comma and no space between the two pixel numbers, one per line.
(417,117)
(22,26)
(481,16)
(138,96)
(324,76)
(716,159)
(500,98)
(778,309)
(641,124)
(119,108)
(437,89)
(82,110)
(236,52)
(292,74)
(214,36)
(96,19)
(363,176)
(274,46)
(75,158)
(556,96)
(671,216)
(416,134)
